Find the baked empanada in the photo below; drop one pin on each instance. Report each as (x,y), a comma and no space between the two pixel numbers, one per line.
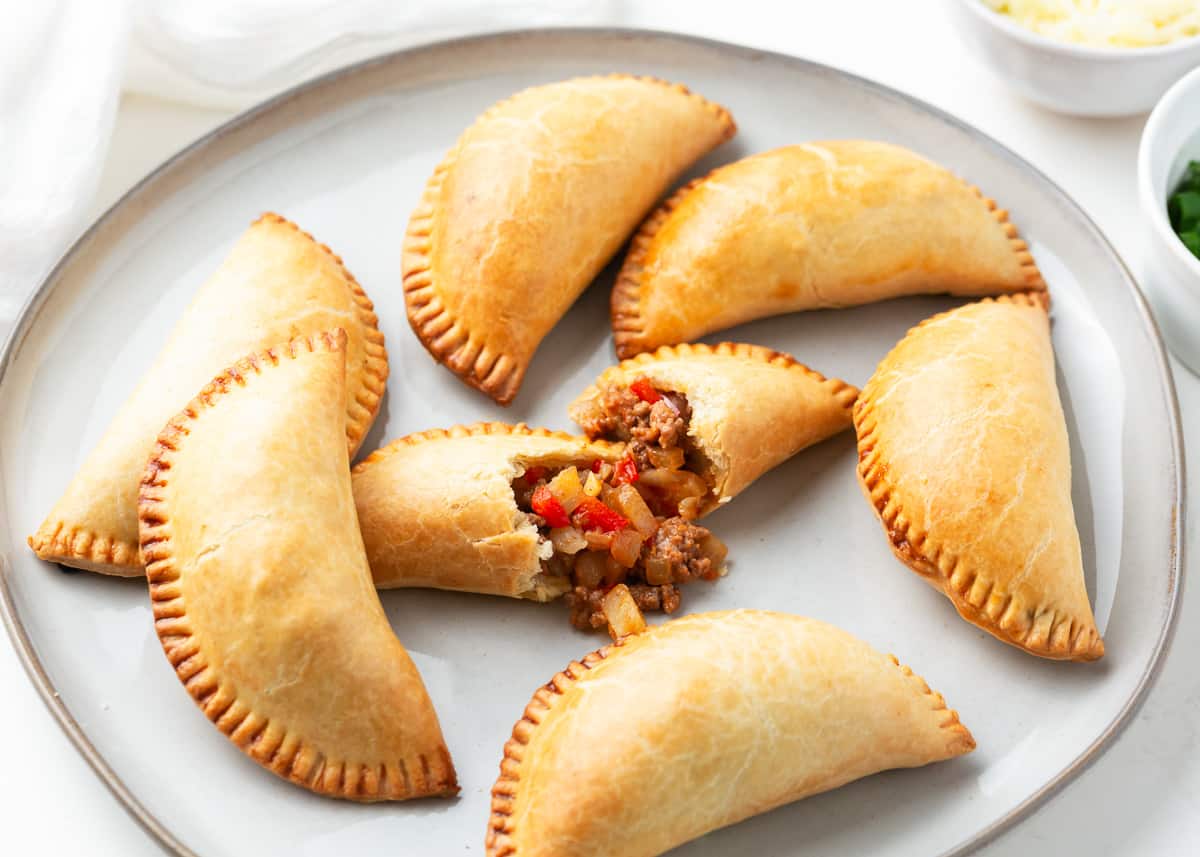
(734,411)
(963,453)
(527,513)
(276,283)
(261,593)
(531,203)
(829,224)
(700,723)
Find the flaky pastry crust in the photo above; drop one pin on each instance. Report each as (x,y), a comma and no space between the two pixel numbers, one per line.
(752,407)
(531,203)
(437,508)
(278,282)
(963,454)
(827,224)
(700,723)
(261,593)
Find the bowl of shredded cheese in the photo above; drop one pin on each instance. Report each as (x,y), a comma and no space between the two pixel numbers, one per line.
(1084,57)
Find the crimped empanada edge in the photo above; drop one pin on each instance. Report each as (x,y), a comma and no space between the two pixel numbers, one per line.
(628,326)
(489,370)
(1068,638)
(843,392)
(502,838)
(475,430)
(363,403)
(56,541)
(292,757)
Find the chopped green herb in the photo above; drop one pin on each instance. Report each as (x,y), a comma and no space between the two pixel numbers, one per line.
(1183,208)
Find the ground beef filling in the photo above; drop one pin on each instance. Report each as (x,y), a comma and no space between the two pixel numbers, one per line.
(605,527)
(653,422)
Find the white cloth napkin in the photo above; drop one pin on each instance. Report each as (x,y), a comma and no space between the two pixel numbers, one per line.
(63,64)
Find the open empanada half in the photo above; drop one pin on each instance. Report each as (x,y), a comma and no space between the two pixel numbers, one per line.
(531,203)
(734,411)
(829,224)
(261,593)
(700,723)
(963,453)
(526,513)
(277,283)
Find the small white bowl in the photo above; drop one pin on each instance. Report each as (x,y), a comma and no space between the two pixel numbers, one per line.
(1170,273)
(1079,80)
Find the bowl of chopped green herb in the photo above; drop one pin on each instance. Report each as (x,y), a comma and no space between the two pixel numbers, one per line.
(1169,194)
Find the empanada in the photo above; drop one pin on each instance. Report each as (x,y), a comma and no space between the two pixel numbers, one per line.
(734,411)
(700,723)
(527,513)
(261,593)
(531,203)
(803,227)
(963,454)
(276,283)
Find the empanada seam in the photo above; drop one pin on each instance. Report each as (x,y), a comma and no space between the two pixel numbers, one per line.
(1030,272)
(472,430)
(625,305)
(953,574)
(476,363)
(364,402)
(217,697)
(844,393)
(54,540)
(501,839)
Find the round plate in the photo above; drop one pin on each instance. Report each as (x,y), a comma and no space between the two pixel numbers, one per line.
(346,157)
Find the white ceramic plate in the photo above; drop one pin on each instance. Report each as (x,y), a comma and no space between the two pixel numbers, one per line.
(346,157)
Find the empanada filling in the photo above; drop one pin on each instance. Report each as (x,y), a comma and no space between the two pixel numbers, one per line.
(608,524)
(654,423)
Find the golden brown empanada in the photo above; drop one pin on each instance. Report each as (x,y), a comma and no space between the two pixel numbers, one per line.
(744,409)
(276,283)
(531,203)
(963,454)
(527,513)
(700,723)
(828,224)
(261,593)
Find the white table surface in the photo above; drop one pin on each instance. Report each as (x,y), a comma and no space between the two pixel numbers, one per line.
(1141,797)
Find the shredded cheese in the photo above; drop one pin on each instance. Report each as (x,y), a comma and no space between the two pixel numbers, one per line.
(1106,23)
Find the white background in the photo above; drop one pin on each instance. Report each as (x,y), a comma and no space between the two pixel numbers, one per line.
(1141,797)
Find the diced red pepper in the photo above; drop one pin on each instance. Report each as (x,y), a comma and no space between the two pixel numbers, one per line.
(644,390)
(591,514)
(626,471)
(546,504)
(596,465)
(533,473)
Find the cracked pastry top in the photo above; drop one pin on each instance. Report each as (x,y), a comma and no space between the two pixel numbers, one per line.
(531,203)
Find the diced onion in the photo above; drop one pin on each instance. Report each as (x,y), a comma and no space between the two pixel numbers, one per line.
(614,572)
(598,540)
(689,508)
(716,551)
(567,540)
(627,547)
(669,459)
(593,485)
(629,503)
(658,570)
(567,488)
(589,568)
(622,613)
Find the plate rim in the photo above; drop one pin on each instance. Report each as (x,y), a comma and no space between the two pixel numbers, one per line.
(161,834)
